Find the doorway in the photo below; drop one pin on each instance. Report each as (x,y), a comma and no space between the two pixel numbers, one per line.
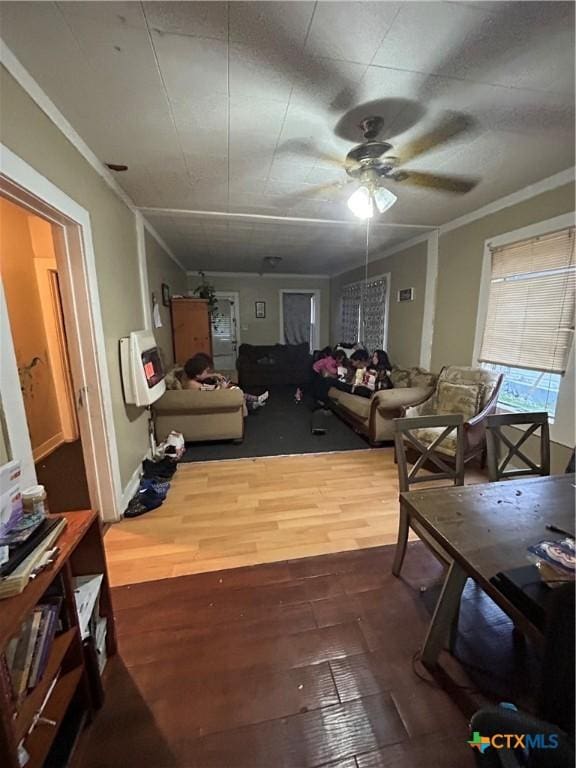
(300,317)
(72,231)
(30,277)
(226,330)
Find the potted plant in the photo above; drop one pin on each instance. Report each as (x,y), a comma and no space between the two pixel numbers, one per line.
(207,291)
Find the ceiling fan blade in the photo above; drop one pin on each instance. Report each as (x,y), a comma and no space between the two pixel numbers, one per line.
(289,201)
(456,184)
(310,150)
(452,125)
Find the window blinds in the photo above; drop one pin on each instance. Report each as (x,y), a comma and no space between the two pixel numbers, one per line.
(530,318)
(374,314)
(350,313)
(363,313)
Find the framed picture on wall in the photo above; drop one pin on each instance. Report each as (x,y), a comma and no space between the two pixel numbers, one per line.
(165,295)
(406,294)
(260,309)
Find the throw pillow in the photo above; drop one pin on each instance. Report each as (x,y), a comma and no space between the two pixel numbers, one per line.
(400,378)
(173,378)
(459,398)
(421,378)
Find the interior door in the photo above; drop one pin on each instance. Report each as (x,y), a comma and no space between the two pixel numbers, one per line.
(16,434)
(224,334)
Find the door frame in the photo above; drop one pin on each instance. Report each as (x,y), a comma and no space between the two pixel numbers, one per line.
(235,297)
(23,185)
(316,294)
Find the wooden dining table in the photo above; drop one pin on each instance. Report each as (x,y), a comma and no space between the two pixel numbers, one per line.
(485,529)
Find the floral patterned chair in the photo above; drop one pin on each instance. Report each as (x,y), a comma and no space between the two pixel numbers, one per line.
(472,392)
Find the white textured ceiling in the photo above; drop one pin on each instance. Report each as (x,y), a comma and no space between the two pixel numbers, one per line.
(229,107)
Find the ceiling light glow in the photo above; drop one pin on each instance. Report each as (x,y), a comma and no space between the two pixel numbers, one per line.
(363,201)
(360,203)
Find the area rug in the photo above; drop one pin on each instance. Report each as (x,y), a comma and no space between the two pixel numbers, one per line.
(282,427)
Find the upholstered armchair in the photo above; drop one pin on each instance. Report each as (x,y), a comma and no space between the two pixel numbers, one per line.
(472,392)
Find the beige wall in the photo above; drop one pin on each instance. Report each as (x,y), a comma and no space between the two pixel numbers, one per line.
(460,255)
(252,288)
(28,132)
(27,326)
(163,269)
(407,269)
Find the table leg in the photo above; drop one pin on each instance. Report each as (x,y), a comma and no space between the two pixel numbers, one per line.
(444,613)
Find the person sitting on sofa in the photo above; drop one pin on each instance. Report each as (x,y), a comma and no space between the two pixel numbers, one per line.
(201,375)
(369,374)
(326,370)
(328,362)
(379,368)
(348,369)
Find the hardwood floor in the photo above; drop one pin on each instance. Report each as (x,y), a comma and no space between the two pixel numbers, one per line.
(233,513)
(299,664)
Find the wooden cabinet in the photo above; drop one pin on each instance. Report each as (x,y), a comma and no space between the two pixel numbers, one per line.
(63,692)
(191,330)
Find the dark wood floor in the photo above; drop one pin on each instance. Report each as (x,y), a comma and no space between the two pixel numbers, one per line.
(295,664)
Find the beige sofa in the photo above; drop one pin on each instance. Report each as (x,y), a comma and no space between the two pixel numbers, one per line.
(373,417)
(200,416)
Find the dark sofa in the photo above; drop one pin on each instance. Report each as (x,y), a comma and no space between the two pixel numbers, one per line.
(275,365)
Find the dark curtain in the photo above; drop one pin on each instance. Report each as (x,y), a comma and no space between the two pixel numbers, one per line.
(296,307)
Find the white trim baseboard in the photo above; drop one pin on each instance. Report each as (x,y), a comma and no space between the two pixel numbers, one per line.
(130,488)
(48,446)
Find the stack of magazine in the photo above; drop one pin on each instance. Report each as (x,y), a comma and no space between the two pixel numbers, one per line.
(28,652)
(26,550)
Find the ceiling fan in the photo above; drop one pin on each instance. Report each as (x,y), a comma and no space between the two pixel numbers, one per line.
(374,164)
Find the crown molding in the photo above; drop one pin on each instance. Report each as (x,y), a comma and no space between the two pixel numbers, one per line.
(544,185)
(15,68)
(275,275)
(391,251)
(162,243)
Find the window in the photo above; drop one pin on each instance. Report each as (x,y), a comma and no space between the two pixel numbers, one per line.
(364,313)
(350,314)
(524,391)
(530,319)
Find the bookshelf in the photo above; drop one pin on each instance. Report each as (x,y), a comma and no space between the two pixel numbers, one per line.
(64,689)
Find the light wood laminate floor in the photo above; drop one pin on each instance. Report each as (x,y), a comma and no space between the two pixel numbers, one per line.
(228,514)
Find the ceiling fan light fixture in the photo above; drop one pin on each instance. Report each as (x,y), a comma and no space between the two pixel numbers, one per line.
(364,200)
(384,199)
(361,204)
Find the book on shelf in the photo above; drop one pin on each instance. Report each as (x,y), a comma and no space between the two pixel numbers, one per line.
(46,634)
(16,581)
(27,654)
(87,594)
(93,627)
